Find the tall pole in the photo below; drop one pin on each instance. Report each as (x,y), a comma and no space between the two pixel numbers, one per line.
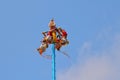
(53,62)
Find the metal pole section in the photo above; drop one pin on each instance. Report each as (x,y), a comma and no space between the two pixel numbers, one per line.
(53,62)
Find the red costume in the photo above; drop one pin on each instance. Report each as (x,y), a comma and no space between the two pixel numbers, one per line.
(64,33)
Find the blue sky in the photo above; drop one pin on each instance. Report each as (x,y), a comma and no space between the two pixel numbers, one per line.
(21,24)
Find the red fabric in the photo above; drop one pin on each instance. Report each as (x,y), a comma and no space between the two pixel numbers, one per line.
(49,33)
(64,33)
(52,27)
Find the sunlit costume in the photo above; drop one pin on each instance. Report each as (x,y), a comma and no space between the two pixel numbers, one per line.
(55,35)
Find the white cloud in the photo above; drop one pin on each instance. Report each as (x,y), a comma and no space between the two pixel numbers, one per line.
(96,67)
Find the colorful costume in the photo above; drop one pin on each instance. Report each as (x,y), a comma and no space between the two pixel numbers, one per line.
(55,35)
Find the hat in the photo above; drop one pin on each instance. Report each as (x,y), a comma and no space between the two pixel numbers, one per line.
(51,23)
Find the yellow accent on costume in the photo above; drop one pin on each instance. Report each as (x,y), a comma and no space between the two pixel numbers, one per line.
(54,36)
